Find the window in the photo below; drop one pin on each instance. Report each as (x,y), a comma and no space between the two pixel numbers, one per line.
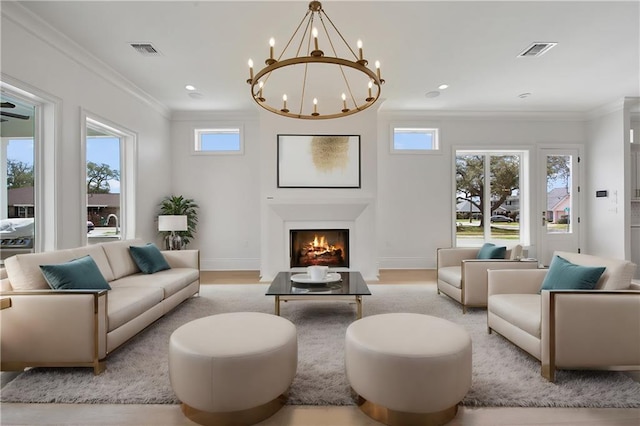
(218,141)
(17,171)
(109,156)
(414,140)
(489,213)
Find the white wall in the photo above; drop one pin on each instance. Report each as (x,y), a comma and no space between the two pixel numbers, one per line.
(42,63)
(607,154)
(415,193)
(226,188)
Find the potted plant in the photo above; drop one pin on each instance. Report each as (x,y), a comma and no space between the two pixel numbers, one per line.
(178,205)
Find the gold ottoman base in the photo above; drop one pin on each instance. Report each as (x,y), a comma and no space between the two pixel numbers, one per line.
(401,418)
(246,417)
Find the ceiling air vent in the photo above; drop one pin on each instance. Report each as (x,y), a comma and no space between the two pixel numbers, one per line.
(145,49)
(536,49)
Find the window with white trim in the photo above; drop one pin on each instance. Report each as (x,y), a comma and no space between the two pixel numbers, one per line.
(417,140)
(227,140)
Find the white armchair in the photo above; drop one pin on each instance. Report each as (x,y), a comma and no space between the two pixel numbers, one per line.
(463,278)
(569,329)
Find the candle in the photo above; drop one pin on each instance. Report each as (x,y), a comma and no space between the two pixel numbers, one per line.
(378,69)
(370,86)
(360,48)
(315,106)
(314,31)
(344,101)
(272,43)
(284,99)
(250,69)
(260,85)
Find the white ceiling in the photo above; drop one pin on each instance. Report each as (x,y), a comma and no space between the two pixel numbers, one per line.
(472,46)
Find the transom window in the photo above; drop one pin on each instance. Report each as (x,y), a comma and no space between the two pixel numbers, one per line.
(218,141)
(414,140)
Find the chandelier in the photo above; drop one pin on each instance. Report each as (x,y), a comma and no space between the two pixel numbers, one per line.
(312,83)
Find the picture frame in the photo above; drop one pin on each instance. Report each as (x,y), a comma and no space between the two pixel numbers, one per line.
(319,161)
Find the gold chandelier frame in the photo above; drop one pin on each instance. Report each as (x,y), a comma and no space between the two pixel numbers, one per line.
(351,104)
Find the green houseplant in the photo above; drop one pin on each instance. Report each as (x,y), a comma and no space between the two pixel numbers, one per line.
(178,205)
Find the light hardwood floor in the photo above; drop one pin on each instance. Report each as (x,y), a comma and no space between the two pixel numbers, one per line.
(170,415)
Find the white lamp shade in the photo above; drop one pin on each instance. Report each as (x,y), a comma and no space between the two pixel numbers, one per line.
(172,223)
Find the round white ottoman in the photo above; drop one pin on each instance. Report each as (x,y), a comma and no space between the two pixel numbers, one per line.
(233,368)
(408,368)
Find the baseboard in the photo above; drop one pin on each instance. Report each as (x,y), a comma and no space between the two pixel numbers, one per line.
(230,264)
(406,263)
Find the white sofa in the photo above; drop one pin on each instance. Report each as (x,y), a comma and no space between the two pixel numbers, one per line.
(463,278)
(570,329)
(54,328)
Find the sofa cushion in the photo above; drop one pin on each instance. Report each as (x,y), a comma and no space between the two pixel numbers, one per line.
(170,281)
(521,310)
(77,274)
(148,258)
(126,303)
(564,275)
(491,251)
(97,253)
(23,270)
(452,275)
(120,259)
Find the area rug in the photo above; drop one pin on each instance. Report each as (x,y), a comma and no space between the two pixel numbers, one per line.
(503,375)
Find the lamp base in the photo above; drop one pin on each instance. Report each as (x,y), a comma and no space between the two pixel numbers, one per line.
(173,242)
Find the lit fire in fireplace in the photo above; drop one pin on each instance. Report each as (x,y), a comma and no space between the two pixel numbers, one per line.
(323,247)
(319,246)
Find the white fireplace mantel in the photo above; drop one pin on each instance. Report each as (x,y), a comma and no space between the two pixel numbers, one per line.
(357,214)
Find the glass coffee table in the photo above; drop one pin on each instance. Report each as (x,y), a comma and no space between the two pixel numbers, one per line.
(351,285)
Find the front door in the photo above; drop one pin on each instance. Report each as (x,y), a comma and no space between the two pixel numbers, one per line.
(558,215)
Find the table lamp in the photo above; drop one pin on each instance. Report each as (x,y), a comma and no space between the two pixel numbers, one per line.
(173,223)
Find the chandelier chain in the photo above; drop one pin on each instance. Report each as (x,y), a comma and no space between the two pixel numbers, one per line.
(335,53)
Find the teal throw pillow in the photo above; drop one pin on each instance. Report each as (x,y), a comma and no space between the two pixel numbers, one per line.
(564,275)
(148,258)
(491,251)
(77,274)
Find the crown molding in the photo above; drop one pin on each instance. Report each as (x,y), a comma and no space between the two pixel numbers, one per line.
(211,115)
(606,109)
(33,24)
(484,115)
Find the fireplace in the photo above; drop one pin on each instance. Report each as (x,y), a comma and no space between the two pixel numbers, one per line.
(328,247)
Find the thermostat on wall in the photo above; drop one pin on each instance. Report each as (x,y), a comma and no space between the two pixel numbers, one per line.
(601,194)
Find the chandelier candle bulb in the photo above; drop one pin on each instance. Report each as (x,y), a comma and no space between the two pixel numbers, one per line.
(314,31)
(370,98)
(315,107)
(378,69)
(284,104)
(250,69)
(360,50)
(272,42)
(260,86)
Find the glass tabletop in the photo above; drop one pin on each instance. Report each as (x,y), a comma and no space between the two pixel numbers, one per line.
(351,284)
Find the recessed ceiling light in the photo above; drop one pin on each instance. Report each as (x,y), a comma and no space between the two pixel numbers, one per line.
(524,95)
(443,86)
(189,87)
(432,94)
